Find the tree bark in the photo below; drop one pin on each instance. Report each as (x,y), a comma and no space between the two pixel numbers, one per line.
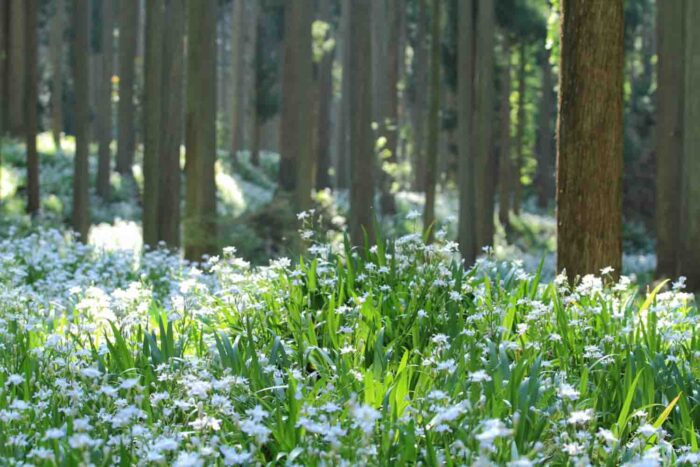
(343,169)
(104,101)
(589,147)
(31,98)
(420,69)
(545,137)
(520,133)
(200,132)
(325,97)
(81,82)
(4,10)
(505,163)
(433,124)
(128,38)
(483,126)
(390,125)
(16,67)
(669,131)
(56,59)
(172,122)
(465,107)
(360,111)
(237,73)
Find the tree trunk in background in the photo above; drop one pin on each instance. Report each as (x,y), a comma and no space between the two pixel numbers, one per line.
(589,147)
(128,38)
(253,85)
(669,131)
(153,111)
(520,134)
(17,54)
(57,26)
(360,111)
(505,163)
(390,125)
(483,126)
(104,101)
(325,97)
(4,9)
(81,83)
(200,132)
(31,98)
(433,123)
(545,138)
(171,124)
(420,70)
(237,82)
(342,178)
(690,215)
(466,235)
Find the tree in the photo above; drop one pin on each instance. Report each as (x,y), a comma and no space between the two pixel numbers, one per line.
(343,162)
(465,98)
(237,76)
(16,67)
(589,146)
(200,131)
(31,103)
(420,71)
(325,97)
(104,101)
(505,163)
(171,124)
(3,62)
(483,123)
(433,123)
(544,177)
(360,116)
(126,112)
(520,130)
(296,163)
(669,139)
(390,123)
(56,59)
(81,82)
(153,111)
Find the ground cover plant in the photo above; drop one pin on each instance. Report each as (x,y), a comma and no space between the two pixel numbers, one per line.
(386,355)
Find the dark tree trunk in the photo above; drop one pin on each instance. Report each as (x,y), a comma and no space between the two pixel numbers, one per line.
(391,117)
(420,69)
(56,60)
(81,83)
(128,38)
(589,146)
(520,133)
(545,137)
(505,163)
(31,98)
(104,101)
(325,97)
(17,54)
(343,169)
(4,10)
(237,73)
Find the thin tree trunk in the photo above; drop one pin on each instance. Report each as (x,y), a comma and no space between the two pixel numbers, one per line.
(200,133)
(589,147)
(343,171)
(30,104)
(153,110)
(325,97)
(4,10)
(669,131)
(56,60)
(505,163)
(81,82)
(128,38)
(16,68)
(433,123)
(237,82)
(171,124)
(420,69)
(483,126)
(391,114)
(466,166)
(104,101)
(253,99)
(545,137)
(360,111)
(520,134)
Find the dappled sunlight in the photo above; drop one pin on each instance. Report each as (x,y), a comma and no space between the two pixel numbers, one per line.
(120,235)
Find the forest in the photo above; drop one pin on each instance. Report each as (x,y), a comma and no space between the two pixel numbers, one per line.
(349,232)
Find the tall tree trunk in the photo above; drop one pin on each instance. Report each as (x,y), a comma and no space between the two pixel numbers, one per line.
(545,137)
(171,124)
(17,54)
(31,98)
(296,162)
(589,146)
(4,10)
(360,112)
(433,123)
(520,133)
(505,163)
(237,73)
(669,131)
(200,132)
(390,125)
(56,60)
(420,70)
(153,111)
(253,85)
(104,101)
(483,126)
(466,165)
(81,82)
(325,97)
(343,169)
(128,38)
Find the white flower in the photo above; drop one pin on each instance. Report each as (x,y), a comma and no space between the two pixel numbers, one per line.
(647,430)
(364,417)
(579,417)
(15,380)
(492,430)
(478,376)
(234,457)
(566,391)
(188,459)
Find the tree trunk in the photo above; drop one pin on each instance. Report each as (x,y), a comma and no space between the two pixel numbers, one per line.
(483,123)
(420,70)
(669,131)
(4,10)
(360,113)
(237,82)
(343,169)
(433,124)
(520,133)
(16,67)
(31,98)
(128,38)
(171,124)
(589,147)
(153,112)
(104,101)
(466,167)
(391,114)
(200,132)
(325,97)
(81,83)
(545,137)
(505,163)
(56,60)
